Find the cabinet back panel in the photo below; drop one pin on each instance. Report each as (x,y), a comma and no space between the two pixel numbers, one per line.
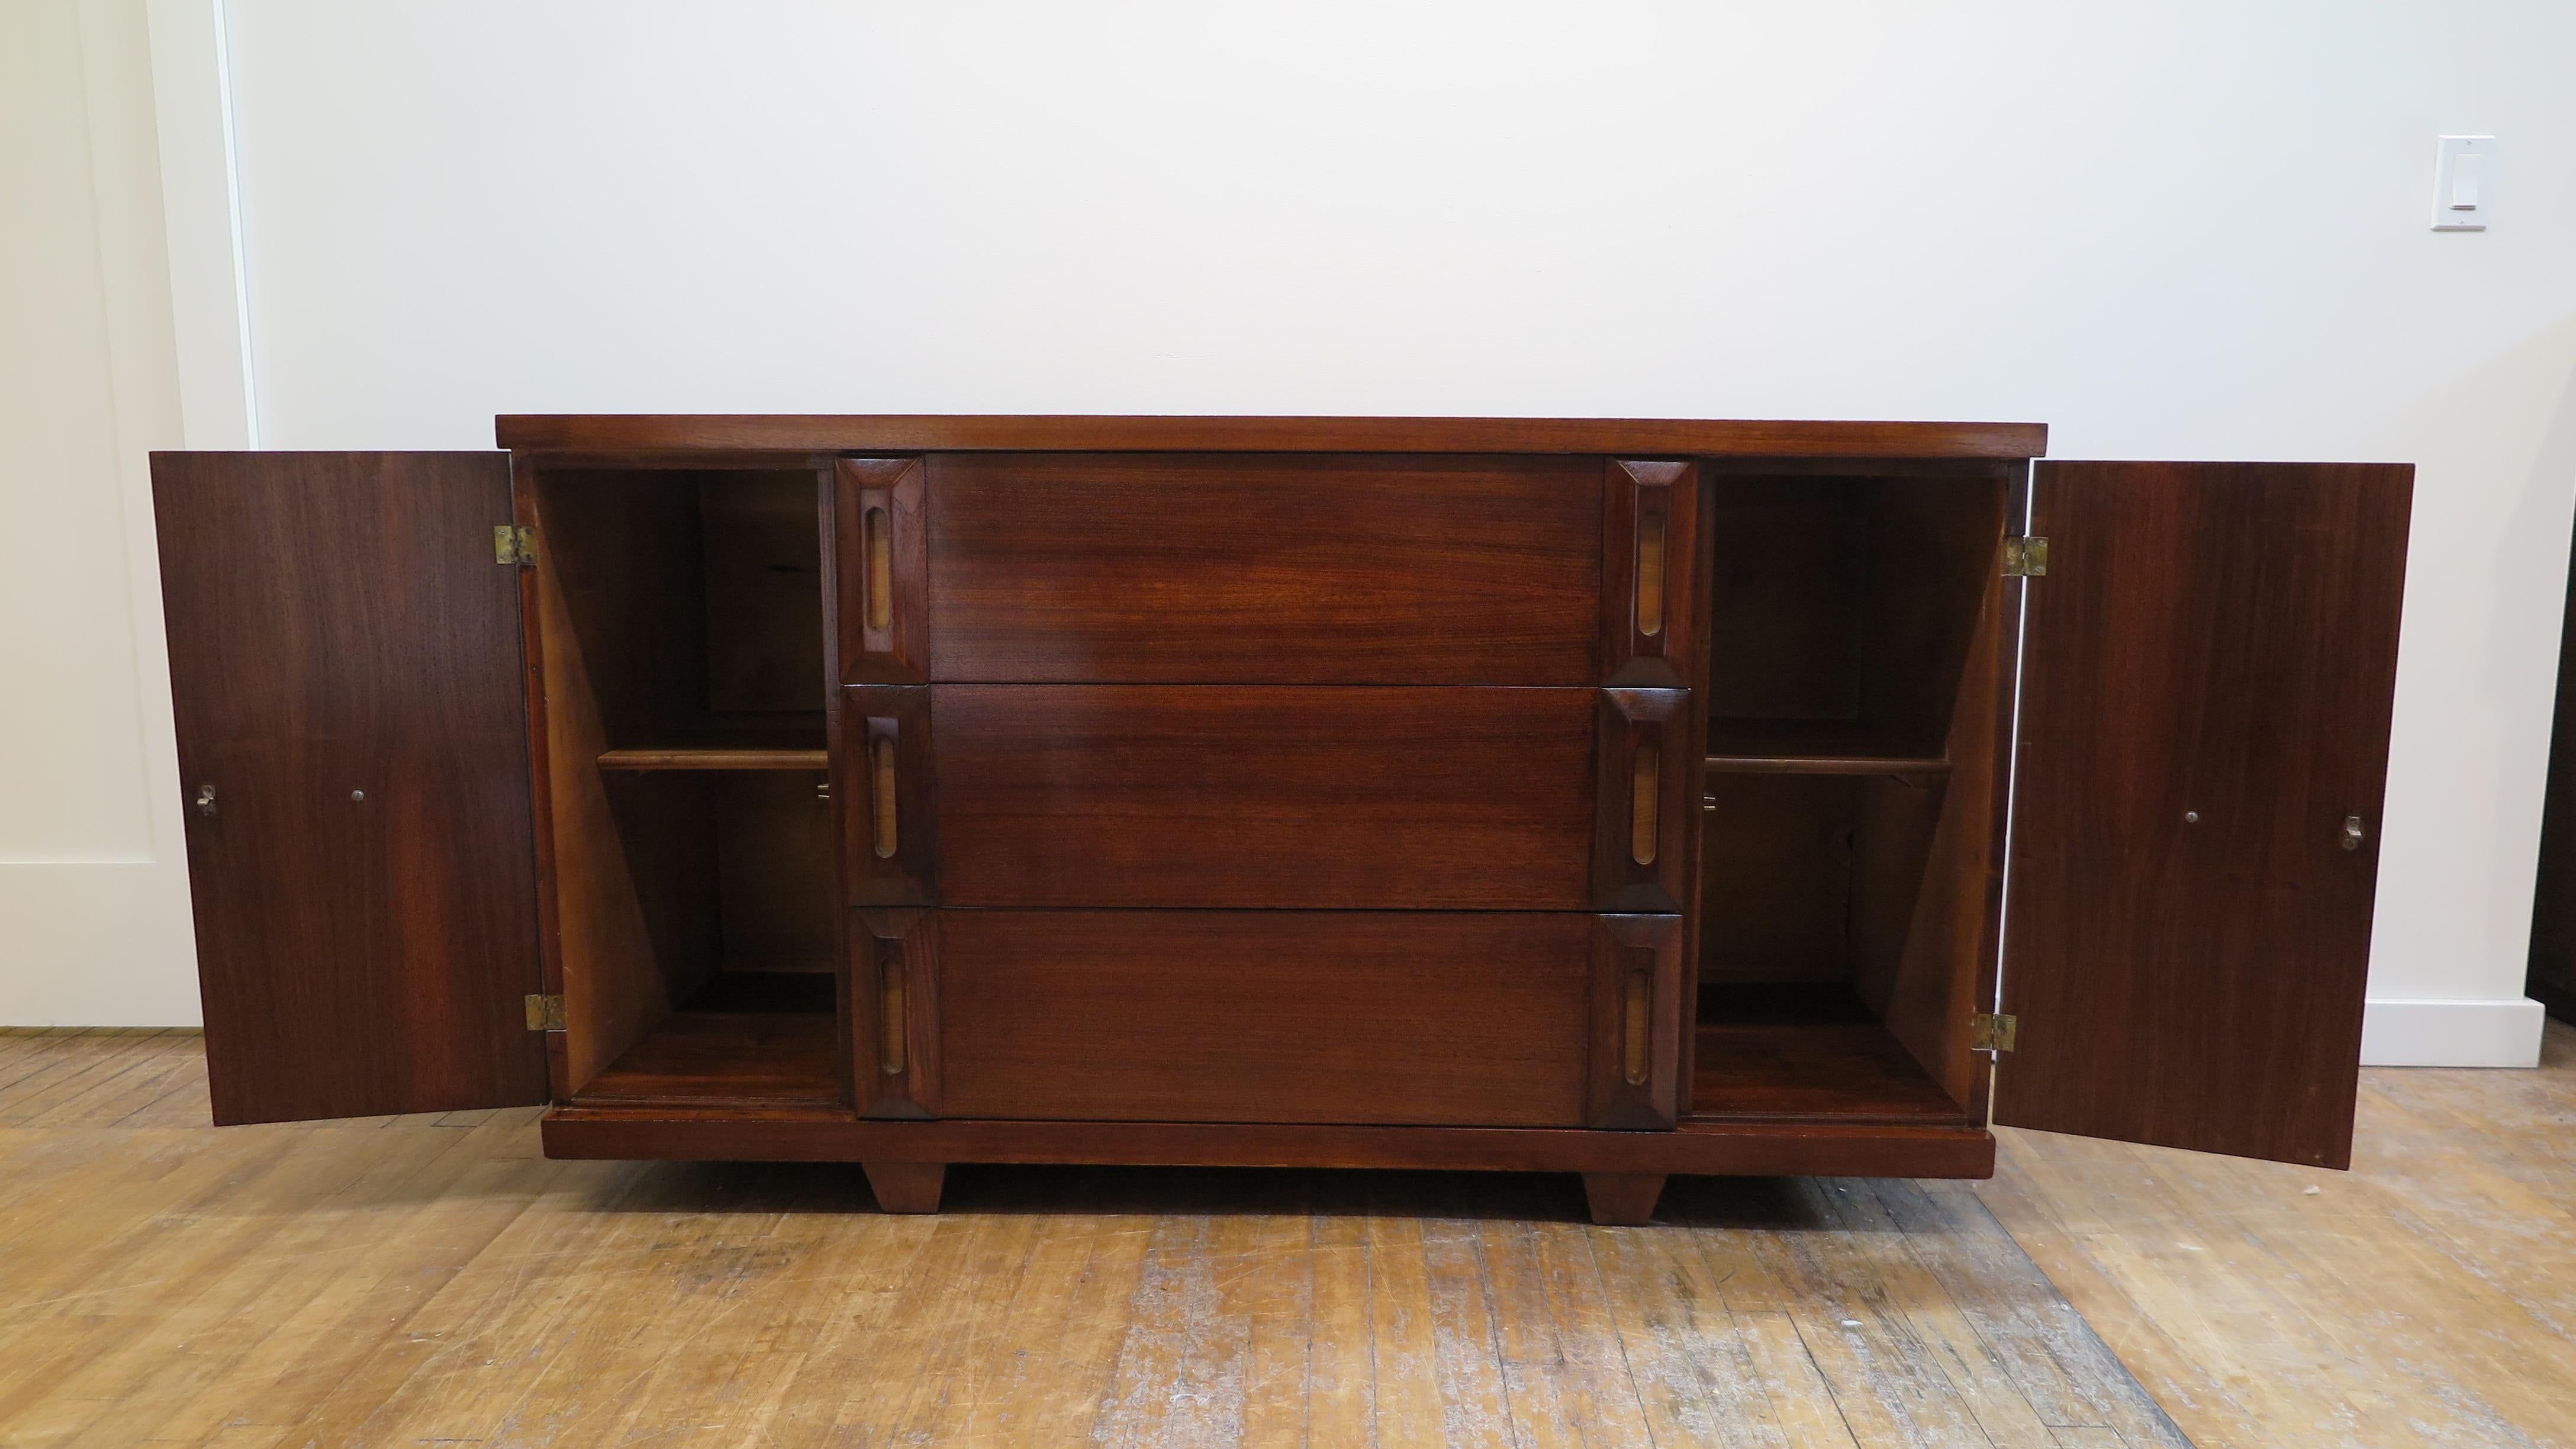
(1195,568)
(780,900)
(1263,1016)
(1846,601)
(694,599)
(763,562)
(1331,798)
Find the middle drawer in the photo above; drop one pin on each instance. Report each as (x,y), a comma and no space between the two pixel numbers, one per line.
(1333,797)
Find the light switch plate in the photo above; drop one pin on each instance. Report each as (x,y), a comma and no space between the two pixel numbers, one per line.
(2464,182)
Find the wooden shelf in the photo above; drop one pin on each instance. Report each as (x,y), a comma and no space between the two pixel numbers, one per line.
(759,1058)
(1807,1052)
(698,758)
(1789,747)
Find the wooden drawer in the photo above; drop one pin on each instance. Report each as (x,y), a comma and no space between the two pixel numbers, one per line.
(1285,797)
(1334,798)
(1225,568)
(1290,1016)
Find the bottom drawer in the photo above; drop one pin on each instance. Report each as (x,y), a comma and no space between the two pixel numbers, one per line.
(1467,1019)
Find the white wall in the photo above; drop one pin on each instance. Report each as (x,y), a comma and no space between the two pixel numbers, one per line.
(93,883)
(2188,230)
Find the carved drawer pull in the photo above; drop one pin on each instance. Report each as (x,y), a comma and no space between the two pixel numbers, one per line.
(877,526)
(1636,1039)
(881,792)
(890,1017)
(1647,790)
(1650,574)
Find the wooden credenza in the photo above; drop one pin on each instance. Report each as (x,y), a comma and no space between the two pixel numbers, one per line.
(1614,797)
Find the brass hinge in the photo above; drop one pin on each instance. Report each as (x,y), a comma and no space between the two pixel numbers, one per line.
(514,543)
(1992,1033)
(2025,558)
(545,1013)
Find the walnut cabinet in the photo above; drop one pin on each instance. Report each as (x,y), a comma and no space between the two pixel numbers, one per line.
(1617,798)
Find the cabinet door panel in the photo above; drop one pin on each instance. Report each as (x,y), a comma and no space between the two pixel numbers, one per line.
(1251,569)
(2209,663)
(1266,1016)
(1334,798)
(345,673)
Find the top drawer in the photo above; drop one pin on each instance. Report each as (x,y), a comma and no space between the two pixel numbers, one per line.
(1144,568)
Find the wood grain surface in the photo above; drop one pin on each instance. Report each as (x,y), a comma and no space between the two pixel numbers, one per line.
(2209,670)
(1303,797)
(431,1280)
(885,433)
(345,675)
(1304,569)
(1266,1016)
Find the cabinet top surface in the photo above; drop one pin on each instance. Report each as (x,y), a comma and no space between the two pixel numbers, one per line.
(603,433)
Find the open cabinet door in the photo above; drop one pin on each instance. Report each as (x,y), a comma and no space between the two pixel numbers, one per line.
(345,671)
(2207,669)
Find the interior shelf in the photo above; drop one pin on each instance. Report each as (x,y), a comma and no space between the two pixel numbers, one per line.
(765,1038)
(1792,747)
(712,758)
(1776,1051)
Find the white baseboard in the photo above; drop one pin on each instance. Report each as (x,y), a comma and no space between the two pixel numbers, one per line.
(2398,1033)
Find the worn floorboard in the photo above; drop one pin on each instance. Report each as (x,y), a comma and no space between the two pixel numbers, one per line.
(2424,1300)
(434,1280)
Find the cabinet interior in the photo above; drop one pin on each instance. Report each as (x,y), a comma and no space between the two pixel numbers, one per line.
(681,621)
(1843,850)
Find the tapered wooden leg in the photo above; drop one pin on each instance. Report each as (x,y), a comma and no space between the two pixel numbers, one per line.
(1623,1199)
(911,1187)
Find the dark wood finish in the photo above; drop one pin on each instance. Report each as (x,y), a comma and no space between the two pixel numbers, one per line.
(723,1059)
(758,436)
(1928,972)
(357,956)
(777,893)
(882,604)
(1767,1149)
(906,1187)
(536,619)
(2218,639)
(2551,977)
(713,759)
(1650,574)
(1844,609)
(1829,748)
(877,719)
(1638,1014)
(1245,1016)
(1622,1199)
(1326,797)
(673,615)
(1300,569)
(1814,1052)
(894,1012)
(1644,753)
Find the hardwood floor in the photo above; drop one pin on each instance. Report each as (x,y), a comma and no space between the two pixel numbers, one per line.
(2427,1298)
(432,1279)
(411,1279)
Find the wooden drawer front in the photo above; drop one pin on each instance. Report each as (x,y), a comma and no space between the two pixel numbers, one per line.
(1262,1016)
(1265,569)
(1334,798)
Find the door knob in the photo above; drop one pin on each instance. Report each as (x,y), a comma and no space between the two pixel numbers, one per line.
(2353,834)
(205,799)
